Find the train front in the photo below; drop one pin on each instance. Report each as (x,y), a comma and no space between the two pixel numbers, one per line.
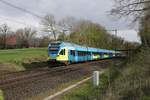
(53,50)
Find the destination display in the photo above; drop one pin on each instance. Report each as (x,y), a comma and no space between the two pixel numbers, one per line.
(53,48)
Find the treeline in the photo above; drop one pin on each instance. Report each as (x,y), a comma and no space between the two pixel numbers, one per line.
(94,35)
(21,38)
(145,29)
(83,32)
(137,11)
(69,29)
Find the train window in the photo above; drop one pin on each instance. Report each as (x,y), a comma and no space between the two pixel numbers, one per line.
(55,44)
(111,54)
(79,53)
(73,52)
(62,52)
(70,52)
(105,54)
(82,53)
(88,53)
(95,54)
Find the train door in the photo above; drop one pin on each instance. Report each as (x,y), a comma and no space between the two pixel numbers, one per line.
(101,55)
(72,56)
(88,55)
(110,55)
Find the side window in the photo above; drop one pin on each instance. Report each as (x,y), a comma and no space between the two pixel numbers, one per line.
(72,52)
(82,53)
(62,52)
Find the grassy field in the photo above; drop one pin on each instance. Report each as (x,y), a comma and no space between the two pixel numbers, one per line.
(19,58)
(1,95)
(128,82)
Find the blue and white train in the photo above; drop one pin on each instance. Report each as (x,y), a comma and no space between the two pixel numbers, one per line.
(68,53)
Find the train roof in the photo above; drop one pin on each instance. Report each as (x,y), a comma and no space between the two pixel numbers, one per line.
(82,48)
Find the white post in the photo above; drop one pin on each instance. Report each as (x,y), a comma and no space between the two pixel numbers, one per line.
(96,78)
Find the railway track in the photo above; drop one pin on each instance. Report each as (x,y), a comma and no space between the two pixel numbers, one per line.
(35,81)
(8,81)
(12,78)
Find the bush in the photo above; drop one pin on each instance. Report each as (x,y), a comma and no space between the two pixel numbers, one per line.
(134,84)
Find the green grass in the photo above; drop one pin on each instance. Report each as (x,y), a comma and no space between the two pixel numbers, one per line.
(80,93)
(89,92)
(128,82)
(60,87)
(16,57)
(1,95)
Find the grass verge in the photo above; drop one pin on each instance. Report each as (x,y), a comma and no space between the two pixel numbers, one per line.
(89,92)
(1,95)
(19,59)
(42,95)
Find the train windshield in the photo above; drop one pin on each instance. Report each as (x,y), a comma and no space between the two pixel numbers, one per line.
(54,48)
(55,44)
(53,51)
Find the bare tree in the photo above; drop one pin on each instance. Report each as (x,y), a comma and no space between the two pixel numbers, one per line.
(4,30)
(139,10)
(135,8)
(49,24)
(24,36)
(67,24)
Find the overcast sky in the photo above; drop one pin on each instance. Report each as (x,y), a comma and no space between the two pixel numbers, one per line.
(95,10)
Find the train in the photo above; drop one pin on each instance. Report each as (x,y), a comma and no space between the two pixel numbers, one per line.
(68,53)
